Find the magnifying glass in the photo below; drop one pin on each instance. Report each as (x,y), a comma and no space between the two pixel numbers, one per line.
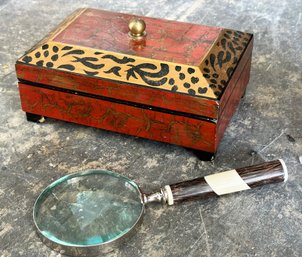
(93,212)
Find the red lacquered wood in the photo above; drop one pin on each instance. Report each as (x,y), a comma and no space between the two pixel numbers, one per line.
(236,78)
(165,40)
(132,100)
(130,120)
(233,93)
(233,102)
(132,93)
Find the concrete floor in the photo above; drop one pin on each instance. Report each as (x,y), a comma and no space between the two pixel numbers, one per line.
(260,222)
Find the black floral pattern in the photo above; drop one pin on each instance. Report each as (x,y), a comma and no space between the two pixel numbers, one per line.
(219,66)
(210,78)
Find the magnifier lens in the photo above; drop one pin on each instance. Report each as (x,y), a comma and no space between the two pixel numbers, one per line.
(88,208)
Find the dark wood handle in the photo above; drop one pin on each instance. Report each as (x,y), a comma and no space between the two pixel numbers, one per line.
(252,176)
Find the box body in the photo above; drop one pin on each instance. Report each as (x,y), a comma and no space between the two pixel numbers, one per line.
(179,84)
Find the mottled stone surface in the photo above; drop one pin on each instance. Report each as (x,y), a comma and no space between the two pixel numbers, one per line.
(263,222)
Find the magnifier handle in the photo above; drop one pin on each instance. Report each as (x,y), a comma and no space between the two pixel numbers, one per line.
(227,182)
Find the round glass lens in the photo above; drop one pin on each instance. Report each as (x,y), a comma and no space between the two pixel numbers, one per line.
(88,208)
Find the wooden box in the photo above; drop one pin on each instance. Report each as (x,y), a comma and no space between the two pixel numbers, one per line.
(170,81)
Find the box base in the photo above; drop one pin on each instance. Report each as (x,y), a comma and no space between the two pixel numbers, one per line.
(201,155)
(191,132)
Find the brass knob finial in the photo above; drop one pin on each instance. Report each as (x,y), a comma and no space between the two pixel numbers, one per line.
(137,28)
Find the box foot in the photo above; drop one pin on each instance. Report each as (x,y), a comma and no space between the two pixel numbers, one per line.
(35,117)
(202,155)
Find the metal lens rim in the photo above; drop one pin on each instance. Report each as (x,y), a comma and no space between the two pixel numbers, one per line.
(78,248)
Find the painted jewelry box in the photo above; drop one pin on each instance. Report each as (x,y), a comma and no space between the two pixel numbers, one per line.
(164,80)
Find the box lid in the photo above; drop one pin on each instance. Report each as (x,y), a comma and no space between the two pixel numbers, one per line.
(181,64)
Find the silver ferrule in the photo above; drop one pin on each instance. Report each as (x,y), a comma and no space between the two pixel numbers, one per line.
(160,197)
